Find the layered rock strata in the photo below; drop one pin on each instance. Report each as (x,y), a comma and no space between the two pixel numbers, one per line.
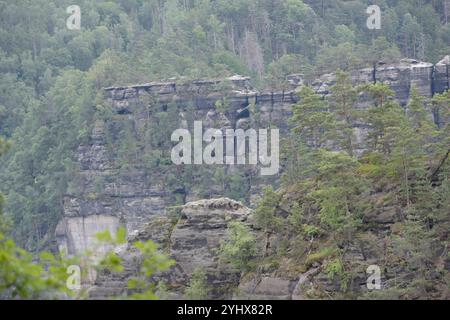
(109,194)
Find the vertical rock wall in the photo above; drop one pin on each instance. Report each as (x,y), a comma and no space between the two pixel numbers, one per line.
(109,194)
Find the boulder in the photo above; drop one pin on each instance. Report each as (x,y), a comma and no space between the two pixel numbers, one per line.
(196,239)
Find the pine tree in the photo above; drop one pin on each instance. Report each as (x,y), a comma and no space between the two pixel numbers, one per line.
(298,159)
(414,142)
(384,117)
(441,106)
(239,248)
(312,119)
(339,194)
(265,213)
(343,98)
(420,119)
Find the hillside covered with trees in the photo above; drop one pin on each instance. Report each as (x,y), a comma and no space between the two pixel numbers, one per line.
(51,92)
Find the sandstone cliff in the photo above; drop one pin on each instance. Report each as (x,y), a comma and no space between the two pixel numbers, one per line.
(193,242)
(110,194)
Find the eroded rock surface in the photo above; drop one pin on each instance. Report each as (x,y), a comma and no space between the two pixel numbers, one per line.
(109,194)
(193,242)
(196,239)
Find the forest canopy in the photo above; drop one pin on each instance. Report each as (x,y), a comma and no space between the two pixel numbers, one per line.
(51,90)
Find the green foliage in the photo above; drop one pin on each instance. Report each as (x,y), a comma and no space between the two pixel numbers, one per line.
(197,288)
(343,98)
(379,92)
(404,167)
(338,191)
(298,158)
(265,214)
(150,262)
(385,118)
(334,269)
(240,247)
(23,277)
(295,217)
(50,96)
(311,118)
(286,65)
(4,146)
(51,77)
(311,231)
(222,105)
(26,277)
(237,186)
(320,256)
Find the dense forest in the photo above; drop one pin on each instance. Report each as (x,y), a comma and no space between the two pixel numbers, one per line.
(51,91)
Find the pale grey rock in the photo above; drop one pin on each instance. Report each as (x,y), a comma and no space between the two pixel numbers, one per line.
(265,288)
(106,196)
(303,283)
(442,75)
(79,234)
(196,239)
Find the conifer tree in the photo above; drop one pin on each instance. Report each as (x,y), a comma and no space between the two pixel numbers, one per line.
(198,285)
(312,119)
(383,117)
(343,97)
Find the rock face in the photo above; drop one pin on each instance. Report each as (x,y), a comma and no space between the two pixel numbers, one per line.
(401,77)
(106,195)
(193,243)
(441,75)
(110,192)
(134,194)
(265,288)
(78,234)
(197,235)
(196,239)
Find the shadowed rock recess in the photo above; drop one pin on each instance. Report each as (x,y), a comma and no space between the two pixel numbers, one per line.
(120,188)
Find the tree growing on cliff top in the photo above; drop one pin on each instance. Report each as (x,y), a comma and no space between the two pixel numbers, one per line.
(384,116)
(338,193)
(343,98)
(239,248)
(312,119)
(265,213)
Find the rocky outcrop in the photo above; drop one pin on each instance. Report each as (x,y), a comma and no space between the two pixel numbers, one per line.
(107,193)
(78,234)
(401,77)
(193,242)
(133,194)
(442,75)
(272,287)
(265,288)
(196,239)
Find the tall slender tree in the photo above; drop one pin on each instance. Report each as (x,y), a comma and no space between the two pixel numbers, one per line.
(343,98)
